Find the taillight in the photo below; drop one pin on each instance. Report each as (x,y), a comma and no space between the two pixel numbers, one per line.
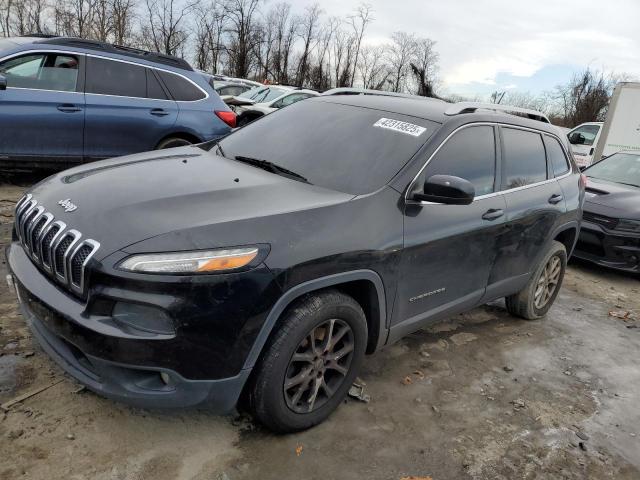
(227,117)
(583,181)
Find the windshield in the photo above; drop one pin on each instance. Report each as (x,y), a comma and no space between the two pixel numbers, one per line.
(331,145)
(619,168)
(262,94)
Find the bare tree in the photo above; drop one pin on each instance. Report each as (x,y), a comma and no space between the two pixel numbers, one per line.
(209,31)
(359,21)
(242,31)
(309,30)
(6,9)
(586,97)
(399,53)
(374,72)
(166,25)
(102,20)
(122,17)
(424,66)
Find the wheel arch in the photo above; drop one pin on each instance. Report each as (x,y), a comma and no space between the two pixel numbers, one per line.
(179,134)
(567,234)
(365,286)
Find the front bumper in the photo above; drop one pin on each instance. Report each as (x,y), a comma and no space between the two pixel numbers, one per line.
(610,249)
(61,326)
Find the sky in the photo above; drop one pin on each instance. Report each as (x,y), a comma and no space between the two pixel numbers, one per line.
(529,46)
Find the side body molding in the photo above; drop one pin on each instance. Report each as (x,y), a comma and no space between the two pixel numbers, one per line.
(317,284)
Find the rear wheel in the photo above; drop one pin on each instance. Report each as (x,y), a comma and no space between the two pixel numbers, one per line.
(173,142)
(310,363)
(535,300)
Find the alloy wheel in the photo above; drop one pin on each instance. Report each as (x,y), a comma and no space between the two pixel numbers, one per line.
(548,282)
(319,366)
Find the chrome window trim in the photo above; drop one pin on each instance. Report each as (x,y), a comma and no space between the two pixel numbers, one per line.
(47,50)
(28,52)
(206,94)
(493,194)
(96,245)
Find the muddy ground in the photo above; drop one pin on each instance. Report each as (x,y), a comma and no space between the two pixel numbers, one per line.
(483,395)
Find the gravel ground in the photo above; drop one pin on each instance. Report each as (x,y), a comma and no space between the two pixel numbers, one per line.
(482,395)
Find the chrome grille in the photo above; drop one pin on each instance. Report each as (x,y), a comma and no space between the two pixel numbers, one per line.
(61,252)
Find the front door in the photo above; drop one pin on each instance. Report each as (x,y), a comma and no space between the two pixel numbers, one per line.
(449,249)
(128,110)
(42,109)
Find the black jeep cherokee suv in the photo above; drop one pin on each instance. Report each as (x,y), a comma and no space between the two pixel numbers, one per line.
(268,264)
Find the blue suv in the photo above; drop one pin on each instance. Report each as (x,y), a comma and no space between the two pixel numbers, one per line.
(68,100)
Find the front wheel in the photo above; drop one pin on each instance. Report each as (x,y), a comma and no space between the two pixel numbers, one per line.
(310,363)
(537,297)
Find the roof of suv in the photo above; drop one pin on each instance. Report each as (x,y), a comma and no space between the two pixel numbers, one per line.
(104,47)
(437,110)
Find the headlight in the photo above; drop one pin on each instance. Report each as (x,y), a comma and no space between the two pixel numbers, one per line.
(628,225)
(204,261)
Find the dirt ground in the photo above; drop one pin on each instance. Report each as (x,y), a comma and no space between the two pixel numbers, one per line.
(483,395)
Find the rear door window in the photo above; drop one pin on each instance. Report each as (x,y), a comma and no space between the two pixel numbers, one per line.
(109,77)
(154,89)
(524,160)
(556,157)
(42,71)
(469,154)
(181,89)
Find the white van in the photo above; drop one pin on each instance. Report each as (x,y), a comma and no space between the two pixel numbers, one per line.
(590,142)
(584,139)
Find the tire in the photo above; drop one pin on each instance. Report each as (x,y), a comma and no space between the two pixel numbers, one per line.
(173,142)
(525,304)
(270,401)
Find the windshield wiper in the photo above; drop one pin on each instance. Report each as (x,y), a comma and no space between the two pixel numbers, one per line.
(271,167)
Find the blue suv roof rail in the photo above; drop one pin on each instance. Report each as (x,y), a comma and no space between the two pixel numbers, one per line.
(117,49)
(471,107)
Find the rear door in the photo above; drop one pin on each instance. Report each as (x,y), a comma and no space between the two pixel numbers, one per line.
(42,110)
(535,205)
(450,249)
(128,109)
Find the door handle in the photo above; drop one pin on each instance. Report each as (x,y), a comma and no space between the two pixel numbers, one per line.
(493,214)
(68,108)
(159,112)
(557,198)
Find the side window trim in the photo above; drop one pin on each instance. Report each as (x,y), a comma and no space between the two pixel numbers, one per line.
(81,70)
(541,134)
(170,99)
(550,138)
(499,161)
(162,85)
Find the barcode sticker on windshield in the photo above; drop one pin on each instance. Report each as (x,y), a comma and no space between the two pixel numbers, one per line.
(402,127)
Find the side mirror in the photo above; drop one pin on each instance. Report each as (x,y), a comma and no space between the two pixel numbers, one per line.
(576,139)
(3,82)
(447,189)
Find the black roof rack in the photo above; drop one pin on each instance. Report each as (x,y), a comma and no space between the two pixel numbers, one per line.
(117,49)
(38,35)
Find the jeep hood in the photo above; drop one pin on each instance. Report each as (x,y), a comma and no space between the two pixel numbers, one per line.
(124,201)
